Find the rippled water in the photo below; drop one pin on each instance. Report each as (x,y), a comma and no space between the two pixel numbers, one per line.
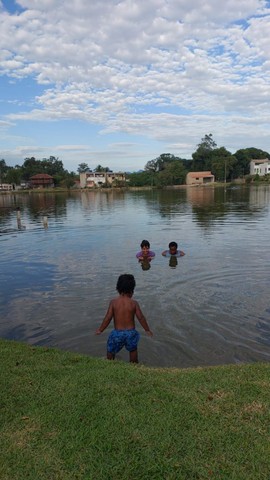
(211,308)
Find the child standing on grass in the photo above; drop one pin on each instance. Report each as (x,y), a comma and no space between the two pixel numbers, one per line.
(123,309)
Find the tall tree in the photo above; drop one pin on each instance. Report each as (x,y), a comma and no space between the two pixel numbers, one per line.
(3,170)
(99,168)
(174,173)
(222,164)
(14,175)
(83,167)
(159,163)
(52,166)
(202,156)
(31,167)
(140,179)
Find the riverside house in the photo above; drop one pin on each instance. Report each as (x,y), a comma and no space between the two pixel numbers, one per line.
(199,178)
(260,167)
(99,179)
(41,180)
(5,187)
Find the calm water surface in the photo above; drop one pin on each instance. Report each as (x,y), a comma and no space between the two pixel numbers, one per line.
(211,308)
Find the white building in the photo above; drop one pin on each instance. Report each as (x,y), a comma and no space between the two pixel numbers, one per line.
(6,186)
(98,179)
(260,167)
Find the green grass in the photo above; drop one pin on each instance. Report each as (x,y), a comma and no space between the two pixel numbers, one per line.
(65,416)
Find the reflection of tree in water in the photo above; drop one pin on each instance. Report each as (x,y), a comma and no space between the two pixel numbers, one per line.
(207,203)
(222,202)
(5,214)
(167,203)
(54,204)
(34,204)
(145,264)
(173,262)
(8,205)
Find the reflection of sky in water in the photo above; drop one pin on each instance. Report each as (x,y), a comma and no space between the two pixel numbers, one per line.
(24,276)
(212,307)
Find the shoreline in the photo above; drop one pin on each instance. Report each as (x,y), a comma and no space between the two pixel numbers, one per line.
(132,189)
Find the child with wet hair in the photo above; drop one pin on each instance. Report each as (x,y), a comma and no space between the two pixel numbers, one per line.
(173,251)
(145,252)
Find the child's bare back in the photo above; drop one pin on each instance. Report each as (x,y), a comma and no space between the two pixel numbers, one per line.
(123,310)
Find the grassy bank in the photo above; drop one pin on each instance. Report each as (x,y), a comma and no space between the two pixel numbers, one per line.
(71,417)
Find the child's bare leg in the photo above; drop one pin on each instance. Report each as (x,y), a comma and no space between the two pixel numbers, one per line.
(133,356)
(110,356)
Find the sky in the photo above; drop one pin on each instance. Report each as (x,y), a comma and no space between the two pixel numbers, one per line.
(119,82)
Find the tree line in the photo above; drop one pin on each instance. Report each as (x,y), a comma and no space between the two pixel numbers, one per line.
(167,169)
(52,166)
(32,166)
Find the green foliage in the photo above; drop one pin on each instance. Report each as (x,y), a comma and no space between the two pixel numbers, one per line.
(52,166)
(202,156)
(14,175)
(99,168)
(141,179)
(160,162)
(67,182)
(258,178)
(71,417)
(221,164)
(173,173)
(207,143)
(83,167)
(3,170)
(165,170)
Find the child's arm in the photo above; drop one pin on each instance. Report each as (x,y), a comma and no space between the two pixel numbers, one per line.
(164,253)
(142,319)
(106,320)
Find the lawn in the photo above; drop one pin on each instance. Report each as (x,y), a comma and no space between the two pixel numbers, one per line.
(65,416)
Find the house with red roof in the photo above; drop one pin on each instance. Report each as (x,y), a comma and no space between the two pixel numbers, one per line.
(41,180)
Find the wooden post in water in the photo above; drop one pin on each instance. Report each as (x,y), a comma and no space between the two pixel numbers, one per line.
(45,222)
(19,222)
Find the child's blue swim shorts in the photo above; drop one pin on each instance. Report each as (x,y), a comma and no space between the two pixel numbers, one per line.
(123,338)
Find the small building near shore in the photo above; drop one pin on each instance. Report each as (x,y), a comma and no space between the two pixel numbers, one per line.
(41,180)
(99,179)
(199,178)
(260,167)
(6,187)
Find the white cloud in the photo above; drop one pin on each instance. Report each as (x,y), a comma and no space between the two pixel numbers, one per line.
(148,69)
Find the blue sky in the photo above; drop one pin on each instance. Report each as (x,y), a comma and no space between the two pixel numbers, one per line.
(117,83)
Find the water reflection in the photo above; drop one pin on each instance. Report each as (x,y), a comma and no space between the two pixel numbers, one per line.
(209,307)
(173,262)
(145,264)
(207,204)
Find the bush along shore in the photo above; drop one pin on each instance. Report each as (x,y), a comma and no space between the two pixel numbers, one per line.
(66,416)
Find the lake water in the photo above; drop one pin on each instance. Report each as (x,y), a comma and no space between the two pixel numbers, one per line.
(212,308)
